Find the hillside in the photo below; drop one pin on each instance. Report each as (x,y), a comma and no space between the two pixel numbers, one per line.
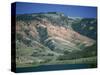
(42,38)
(87,27)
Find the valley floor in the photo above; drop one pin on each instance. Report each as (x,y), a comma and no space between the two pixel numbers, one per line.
(92,61)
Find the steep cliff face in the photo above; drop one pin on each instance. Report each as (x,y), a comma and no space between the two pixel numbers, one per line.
(44,36)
